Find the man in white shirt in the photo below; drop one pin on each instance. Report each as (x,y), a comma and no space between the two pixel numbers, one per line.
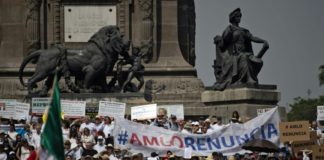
(100,146)
(87,124)
(36,137)
(98,125)
(219,125)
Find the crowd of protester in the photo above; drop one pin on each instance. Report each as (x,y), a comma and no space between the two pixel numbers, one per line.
(87,138)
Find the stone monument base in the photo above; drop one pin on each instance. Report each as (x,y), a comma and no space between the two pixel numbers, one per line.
(245,99)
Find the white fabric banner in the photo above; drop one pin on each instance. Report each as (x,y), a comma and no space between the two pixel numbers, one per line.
(228,140)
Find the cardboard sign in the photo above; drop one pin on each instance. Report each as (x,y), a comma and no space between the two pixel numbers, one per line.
(112,109)
(318,152)
(320,112)
(73,109)
(262,111)
(305,145)
(39,105)
(176,109)
(294,131)
(9,111)
(22,111)
(144,112)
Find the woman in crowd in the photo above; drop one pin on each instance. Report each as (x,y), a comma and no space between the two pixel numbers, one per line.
(23,151)
(87,137)
(235,117)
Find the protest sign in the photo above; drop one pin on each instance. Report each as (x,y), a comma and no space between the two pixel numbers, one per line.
(318,152)
(91,111)
(148,111)
(21,111)
(146,139)
(320,112)
(112,109)
(9,110)
(262,111)
(294,131)
(305,145)
(39,105)
(73,109)
(176,109)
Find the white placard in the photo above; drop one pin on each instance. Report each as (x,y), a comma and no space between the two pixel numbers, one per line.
(262,111)
(112,109)
(144,112)
(73,109)
(82,21)
(9,110)
(320,112)
(39,105)
(176,109)
(22,111)
(187,153)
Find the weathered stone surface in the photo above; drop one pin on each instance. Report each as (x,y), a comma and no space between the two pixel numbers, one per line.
(241,95)
(245,100)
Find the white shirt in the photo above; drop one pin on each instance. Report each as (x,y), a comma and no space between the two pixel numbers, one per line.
(90,126)
(3,155)
(12,135)
(99,148)
(36,139)
(217,126)
(65,133)
(99,127)
(107,129)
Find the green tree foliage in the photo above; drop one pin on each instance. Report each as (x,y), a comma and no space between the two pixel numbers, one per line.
(304,109)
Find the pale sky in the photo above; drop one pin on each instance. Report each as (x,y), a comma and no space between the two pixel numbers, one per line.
(293,28)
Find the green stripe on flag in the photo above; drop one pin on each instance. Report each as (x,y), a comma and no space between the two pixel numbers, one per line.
(52,138)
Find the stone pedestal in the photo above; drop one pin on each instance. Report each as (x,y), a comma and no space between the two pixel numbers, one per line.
(244,99)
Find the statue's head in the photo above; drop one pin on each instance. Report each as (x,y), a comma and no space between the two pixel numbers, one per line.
(235,16)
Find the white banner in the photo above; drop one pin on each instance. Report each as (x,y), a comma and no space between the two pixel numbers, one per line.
(39,105)
(144,112)
(112,109)
(262,111)
(22,111)
(320,112)
(73,109)
(9,110)
(228,140)
(175,109)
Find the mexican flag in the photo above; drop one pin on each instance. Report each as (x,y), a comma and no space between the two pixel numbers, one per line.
(52,138)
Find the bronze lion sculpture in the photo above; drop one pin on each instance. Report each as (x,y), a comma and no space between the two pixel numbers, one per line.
(90,66)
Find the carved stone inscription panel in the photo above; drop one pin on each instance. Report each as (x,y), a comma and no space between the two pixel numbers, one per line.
(81,22)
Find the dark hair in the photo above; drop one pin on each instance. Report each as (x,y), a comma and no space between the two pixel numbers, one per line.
(237,115)
(13,125)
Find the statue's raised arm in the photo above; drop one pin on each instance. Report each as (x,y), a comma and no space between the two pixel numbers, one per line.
(235,61)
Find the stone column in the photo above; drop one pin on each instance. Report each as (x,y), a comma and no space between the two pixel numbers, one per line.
(146,40)
(33,25)
(169,52)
